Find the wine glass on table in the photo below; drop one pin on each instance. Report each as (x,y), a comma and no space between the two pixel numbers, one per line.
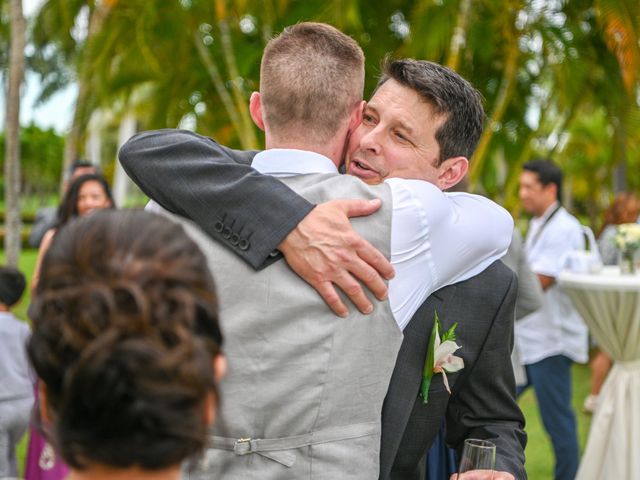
(478,456)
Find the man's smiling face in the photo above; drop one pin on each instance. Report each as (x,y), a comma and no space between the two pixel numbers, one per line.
(396,137)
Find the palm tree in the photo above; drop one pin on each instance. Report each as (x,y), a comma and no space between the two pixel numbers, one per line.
(13,221)
(61,57)
(198,60)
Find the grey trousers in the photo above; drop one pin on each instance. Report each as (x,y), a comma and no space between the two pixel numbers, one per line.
(14,420)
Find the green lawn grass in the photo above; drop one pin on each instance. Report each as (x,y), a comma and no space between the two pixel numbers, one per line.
(539,455)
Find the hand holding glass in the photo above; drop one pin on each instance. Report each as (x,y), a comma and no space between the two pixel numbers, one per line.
(478,456)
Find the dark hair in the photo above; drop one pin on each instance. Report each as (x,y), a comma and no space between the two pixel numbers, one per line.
(125,330)
(12,285)
(79,163)
(624,209)
(548,173)
(448,94)
(69,206)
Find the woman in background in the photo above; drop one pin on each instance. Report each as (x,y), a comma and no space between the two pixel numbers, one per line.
(84,195)
(126,345)
(624,209)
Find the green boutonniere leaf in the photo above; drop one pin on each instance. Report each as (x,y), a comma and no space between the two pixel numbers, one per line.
(427,371)
(440,358)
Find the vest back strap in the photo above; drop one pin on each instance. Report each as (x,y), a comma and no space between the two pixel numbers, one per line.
(276,448)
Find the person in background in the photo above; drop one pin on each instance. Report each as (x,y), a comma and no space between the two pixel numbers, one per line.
(550,339)
(16,396)
(85,194)
(47,217)
(127,346)
(624,209)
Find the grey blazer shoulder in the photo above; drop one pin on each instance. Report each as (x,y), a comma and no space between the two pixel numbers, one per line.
(530,295)
(482,403)
(215,186)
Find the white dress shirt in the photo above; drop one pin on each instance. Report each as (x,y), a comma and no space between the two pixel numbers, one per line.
(556,328)
(436,238)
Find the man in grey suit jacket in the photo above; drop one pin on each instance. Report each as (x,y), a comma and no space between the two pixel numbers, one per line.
(482,401)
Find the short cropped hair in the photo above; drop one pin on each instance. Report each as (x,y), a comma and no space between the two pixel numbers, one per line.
(448,94)
(125,330)
(548,173)
(12,285)
(311,78)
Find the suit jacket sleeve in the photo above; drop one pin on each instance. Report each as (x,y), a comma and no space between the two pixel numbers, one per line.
(215,186)
(485,404)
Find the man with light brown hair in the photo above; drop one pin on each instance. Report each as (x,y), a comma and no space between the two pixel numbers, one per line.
(298,70)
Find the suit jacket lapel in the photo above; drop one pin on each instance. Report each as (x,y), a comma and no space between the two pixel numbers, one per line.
(407,376)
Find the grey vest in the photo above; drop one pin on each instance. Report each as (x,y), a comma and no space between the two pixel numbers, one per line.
(304,390)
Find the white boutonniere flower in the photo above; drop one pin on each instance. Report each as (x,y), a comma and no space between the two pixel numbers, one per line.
(440,357)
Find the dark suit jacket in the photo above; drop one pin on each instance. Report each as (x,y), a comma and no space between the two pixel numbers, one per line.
(194,176)
(482,402)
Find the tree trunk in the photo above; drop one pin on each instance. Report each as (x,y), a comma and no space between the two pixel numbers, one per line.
(218,83)
(505,93)
(121,181)
(80,120)
(248,134)
(13,221)
(620,150)
(459,37)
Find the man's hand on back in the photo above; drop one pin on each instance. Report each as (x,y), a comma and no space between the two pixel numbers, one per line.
(326,252)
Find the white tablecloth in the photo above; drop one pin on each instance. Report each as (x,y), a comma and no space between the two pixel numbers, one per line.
(609,303)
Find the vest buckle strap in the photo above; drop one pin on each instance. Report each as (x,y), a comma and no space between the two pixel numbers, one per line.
(279,449)
(243,446)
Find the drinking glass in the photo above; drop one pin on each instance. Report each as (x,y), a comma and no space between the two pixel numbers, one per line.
(478,455)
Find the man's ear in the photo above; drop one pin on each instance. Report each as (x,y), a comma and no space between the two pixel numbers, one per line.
(255,108)
(356,116)
(452,170)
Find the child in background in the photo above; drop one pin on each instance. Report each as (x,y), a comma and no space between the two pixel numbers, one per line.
(16,395)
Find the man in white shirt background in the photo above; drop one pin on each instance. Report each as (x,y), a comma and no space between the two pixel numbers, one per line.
(552,338)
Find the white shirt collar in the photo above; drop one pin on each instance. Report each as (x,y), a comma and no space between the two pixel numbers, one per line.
(550,209)
(284,161)
(535,221)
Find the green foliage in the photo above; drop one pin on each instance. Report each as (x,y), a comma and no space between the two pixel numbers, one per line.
(560,79)
(41,162)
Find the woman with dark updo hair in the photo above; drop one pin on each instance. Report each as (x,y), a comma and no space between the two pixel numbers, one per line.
(126,345)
